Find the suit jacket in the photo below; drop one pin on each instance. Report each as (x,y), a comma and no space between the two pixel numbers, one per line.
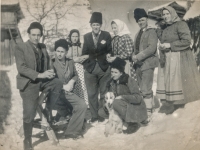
(96,54)
(148,49)
(69,70)
(26,63)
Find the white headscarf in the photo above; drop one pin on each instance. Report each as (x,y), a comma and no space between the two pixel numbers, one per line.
(122,27)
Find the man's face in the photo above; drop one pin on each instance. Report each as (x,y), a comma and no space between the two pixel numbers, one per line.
(61,53)
(143,22)
(34,36)
(96,27)
(115,74)
(74,37)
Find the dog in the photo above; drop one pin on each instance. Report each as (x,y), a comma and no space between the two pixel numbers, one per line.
(115,123)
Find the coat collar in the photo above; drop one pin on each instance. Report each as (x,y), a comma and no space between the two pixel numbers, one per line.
(123,79)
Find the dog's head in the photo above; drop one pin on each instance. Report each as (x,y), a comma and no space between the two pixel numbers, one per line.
(109,98)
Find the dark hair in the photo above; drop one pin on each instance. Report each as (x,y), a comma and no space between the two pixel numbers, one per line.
(69,37)
(35,25)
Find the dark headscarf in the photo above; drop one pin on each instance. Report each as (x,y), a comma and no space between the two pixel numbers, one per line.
(70,35)
(118,64)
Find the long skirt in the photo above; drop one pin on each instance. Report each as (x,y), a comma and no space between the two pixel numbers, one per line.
(80,88)
(179,80)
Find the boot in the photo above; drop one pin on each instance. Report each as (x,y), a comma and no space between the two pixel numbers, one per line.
(50,105)
(28,136)
(132,128)
(149,106)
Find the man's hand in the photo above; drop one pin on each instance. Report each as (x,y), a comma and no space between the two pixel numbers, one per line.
(69,86)
(47,74)
(134,58)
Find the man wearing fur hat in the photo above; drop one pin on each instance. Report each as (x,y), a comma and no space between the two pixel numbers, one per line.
(97,44)
(34,75)
(145,57)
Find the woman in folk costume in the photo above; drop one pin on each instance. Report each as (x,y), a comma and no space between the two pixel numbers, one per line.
(75,52)
(178,79)
(122,45)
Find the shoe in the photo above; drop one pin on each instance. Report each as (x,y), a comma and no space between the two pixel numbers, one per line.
(93,120)
(73,136)
(100,119)
(145,122)
(132,128)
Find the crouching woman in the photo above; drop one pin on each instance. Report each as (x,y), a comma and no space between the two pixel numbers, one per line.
(128,101)
(65,70)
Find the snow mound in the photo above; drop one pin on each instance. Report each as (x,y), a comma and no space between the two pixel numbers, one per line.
(179,131)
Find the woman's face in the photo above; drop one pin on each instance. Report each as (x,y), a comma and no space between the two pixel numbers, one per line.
(61,53)
(74,37)
(167,16)
(115,73)
(114,28)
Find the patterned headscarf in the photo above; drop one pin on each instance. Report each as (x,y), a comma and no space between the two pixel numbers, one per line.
(173,13)
(122,27)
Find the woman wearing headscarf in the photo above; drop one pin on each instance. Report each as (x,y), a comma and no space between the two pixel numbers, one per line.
(75,53)
(122,45)
(178,79)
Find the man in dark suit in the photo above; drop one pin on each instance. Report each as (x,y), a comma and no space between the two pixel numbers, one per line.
(97,44)
(145,57)
(34,75)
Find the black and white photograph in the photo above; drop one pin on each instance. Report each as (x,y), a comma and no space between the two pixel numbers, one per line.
(100,75)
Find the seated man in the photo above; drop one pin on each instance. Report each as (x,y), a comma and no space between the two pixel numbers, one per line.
(65,70)
(128,101)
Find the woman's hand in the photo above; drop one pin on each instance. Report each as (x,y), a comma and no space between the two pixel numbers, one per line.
(163,46)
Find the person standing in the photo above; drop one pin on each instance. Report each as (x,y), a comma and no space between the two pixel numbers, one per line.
(145,57)
(122,46)
(75,53)
(34,75)
(178,78)
(97,44)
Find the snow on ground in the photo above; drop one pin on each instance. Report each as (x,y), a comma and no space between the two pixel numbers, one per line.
(179,131)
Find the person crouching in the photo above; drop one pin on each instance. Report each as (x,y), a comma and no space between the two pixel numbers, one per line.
(128,101)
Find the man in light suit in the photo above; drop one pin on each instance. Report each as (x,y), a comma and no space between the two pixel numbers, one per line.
(34,75)
(97,44)
(145,57)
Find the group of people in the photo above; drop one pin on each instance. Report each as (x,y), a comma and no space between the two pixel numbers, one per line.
(81,73)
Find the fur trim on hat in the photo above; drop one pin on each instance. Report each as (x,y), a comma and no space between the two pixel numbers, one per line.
(61,43)
(139,13)
(96,18)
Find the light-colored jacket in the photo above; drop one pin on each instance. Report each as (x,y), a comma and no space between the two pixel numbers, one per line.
(147,49)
